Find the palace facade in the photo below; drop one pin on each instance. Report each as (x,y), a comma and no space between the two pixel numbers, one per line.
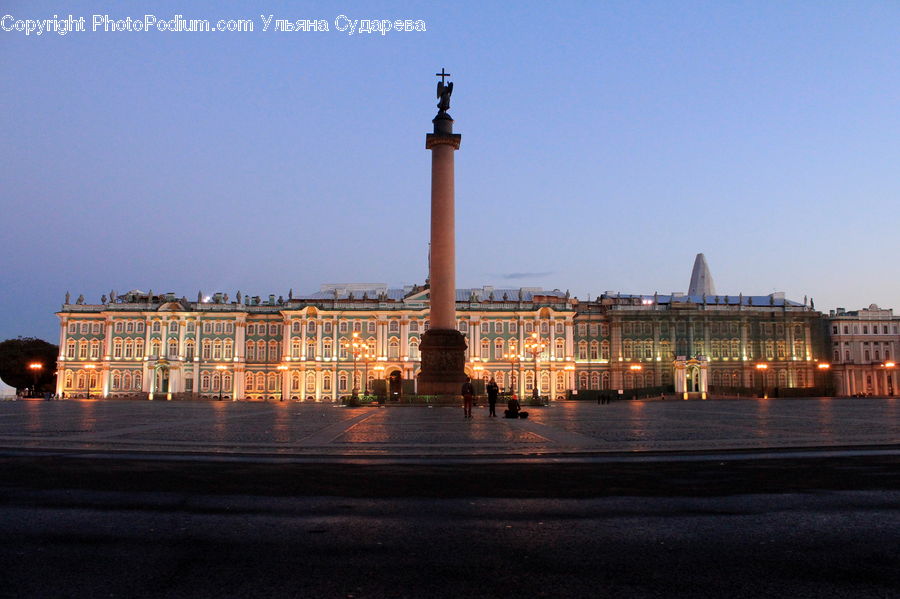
(323,346)
(864,346)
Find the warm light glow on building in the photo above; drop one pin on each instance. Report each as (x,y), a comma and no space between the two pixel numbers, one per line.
(762,366)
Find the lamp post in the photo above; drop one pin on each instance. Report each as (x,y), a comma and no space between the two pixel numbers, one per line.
(88,379)
(35,368)
(367,357)
(761,368)
(512,358)
(889,366)
(356,346)
(282,368)
(220,368)
(534,345)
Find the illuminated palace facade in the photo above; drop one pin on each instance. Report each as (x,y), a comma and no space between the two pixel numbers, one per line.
(323,346)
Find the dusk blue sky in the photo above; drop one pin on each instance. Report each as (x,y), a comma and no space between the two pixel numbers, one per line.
(604,144)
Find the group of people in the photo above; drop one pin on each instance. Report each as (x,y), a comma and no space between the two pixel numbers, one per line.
(513,407)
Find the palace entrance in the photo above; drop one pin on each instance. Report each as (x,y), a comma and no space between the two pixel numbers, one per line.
(395,385)
(691,378)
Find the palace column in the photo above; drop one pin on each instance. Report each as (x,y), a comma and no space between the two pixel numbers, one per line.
(443,347)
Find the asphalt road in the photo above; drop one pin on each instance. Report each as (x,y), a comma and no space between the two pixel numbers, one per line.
(92,544)
(790,527)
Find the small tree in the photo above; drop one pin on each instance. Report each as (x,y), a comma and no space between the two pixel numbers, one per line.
(17,354)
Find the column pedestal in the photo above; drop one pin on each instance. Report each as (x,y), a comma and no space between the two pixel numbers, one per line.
(443,362)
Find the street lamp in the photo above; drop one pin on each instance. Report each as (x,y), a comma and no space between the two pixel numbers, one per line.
(88,379)
(356,346)
(535,346)
(512,358)
(282,368)
(761,367)
(36,372)
(221,380)
(366,357)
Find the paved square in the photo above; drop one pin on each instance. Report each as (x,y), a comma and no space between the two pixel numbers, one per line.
(318,430)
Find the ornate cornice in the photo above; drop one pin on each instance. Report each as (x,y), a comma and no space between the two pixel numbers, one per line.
(437,139)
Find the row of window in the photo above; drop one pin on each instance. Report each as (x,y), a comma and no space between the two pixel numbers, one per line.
(875,329)
(876,355)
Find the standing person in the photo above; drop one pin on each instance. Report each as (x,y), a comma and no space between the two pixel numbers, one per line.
(468,393)
(492,391)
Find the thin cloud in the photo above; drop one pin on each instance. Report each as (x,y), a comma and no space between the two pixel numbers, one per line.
(525,275)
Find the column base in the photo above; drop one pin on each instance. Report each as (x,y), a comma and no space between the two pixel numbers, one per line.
(443,363)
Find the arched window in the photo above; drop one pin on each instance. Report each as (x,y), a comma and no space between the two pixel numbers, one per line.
(500,379)
(582,350)
(604,381)
(627,350)
(595,380)
(251,351)
(217,349)
(154,348)
(394,326)
(545,382)
(228,350)
(414,349)
(138,348)
(529,380)
(560,352)
(216,381)
(326,349)
(326,382)
(155,326)
(413,326)
(295,381)
(69,377)
(295,327)
(260,381)
(138,380)
(189,350)
(342,382)
(485,349)
(560,382)
(295,347)
(116,380)
(129,349)
(604,350)
(311,350)
(206,349)
(126,381)
(173,348)
(274,355)
(248,385)
(117,348)
(310,382)
(82,350)
(629,380)
(70,349)
(226,381)
(204,381)
(393,348)
(498,349)
(582,380)
(594,355)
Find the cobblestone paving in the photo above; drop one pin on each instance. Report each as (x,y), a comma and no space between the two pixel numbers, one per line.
(565,427)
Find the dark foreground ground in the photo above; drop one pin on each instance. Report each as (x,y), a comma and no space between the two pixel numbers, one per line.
(701,525)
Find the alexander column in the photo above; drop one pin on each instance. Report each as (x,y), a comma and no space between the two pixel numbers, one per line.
(443,348)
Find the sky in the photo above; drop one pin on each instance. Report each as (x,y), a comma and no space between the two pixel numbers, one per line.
(604,144)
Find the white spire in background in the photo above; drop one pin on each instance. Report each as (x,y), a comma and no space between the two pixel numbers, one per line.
(701,279)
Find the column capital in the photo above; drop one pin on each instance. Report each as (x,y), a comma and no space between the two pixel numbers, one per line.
(438,139)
